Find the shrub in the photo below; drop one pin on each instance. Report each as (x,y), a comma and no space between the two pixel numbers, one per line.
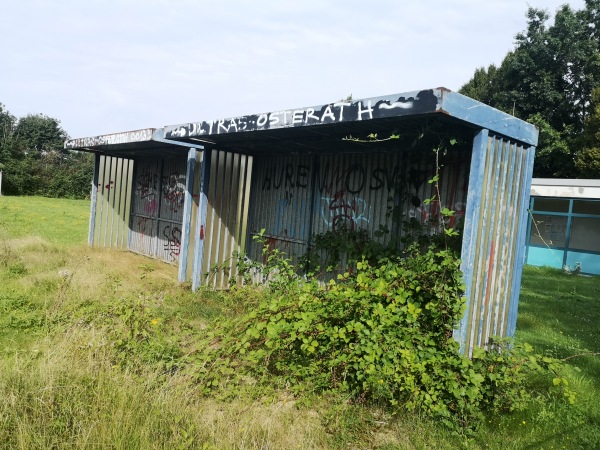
(381,335)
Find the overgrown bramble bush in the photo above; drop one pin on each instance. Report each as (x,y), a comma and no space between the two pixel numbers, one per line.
(380,335)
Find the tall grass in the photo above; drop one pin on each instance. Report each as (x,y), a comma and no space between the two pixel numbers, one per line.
(77,372)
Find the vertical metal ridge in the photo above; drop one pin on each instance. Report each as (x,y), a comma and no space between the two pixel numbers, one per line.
(105,201)
(478,271)
(496,261)
(117,202)
(128,199)
(228,258)
(525,182)
(122,197)
(484,238)
(112,196)
(224,208)
(491,225)
(506,256)
(520,169)
(246,203)
(236,249)
(211,215)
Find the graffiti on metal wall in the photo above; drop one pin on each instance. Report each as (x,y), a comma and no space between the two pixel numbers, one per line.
(144,231)
(344,212)
(344,192)
(171,241)
(146,187)
(173,190)
(353,179)
(111,139)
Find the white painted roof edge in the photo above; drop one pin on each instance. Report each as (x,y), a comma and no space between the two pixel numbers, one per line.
(570,182)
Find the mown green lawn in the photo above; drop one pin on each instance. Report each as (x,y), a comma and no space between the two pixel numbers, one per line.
(61,221)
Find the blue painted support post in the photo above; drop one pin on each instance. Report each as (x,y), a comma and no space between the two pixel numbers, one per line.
(187,214)
(201,220)
(471,224)
(529,223)
(93,198)
(521,236)
(568,233)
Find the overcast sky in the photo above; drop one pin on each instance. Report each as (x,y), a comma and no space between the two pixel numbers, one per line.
(104,66)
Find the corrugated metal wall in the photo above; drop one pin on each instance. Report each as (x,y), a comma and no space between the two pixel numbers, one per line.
(157,210)
(222,225)
(495,223)
(110,206)
(296,197)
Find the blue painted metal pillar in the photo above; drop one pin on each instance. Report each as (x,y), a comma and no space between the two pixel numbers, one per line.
(201,219)
(470,229)
(187,213)
(93,198)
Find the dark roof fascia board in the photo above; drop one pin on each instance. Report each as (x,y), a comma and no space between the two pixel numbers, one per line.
(439,100)
(126,137)
(411,103)
(415,104)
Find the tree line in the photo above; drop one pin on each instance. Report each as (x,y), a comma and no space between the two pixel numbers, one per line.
(34,162)
(552,79)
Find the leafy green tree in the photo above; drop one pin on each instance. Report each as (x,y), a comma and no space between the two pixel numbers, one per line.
(553,158)
(7,125)
(38,134)
(34,161)
(587,159)
(548,79)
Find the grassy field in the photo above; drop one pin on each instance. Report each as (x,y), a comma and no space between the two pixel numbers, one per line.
(90,340)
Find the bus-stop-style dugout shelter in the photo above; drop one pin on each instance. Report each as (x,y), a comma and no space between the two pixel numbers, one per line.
(194,194)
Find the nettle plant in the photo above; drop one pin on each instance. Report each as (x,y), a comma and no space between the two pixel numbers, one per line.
(380,334)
